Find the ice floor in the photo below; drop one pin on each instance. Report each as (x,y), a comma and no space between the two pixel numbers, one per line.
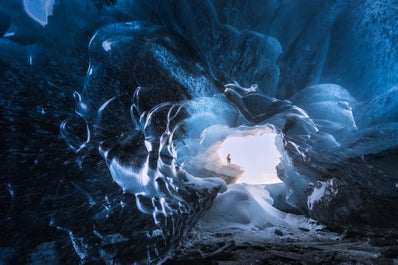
(243,227)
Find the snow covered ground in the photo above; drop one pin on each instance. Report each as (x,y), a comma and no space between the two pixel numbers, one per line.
(243,227)
(247,209)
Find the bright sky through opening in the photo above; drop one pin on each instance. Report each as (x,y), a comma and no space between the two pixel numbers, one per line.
(257,155)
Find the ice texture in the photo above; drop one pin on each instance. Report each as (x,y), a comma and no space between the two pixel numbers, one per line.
(39,10)
(114,112)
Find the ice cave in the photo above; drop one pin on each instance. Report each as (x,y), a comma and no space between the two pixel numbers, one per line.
(199,132)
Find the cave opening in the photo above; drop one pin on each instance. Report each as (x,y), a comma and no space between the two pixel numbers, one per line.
(257,155)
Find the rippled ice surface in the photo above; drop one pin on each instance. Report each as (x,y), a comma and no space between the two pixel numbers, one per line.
(114,113)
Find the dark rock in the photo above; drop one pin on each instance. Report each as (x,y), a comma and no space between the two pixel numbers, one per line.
(278,232)
(390,252)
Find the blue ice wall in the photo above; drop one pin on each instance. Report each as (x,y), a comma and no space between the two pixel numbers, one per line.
(102,101)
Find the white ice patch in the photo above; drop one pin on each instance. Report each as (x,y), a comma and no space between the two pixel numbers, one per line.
(246,211)
(317,193)
(126,177)
(246,207)
(107,45)
(39,10)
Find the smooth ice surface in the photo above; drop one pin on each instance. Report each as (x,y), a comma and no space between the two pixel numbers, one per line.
(235,207)
(39,10)
(233,212)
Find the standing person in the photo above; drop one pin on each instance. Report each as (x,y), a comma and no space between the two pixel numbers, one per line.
(229,158)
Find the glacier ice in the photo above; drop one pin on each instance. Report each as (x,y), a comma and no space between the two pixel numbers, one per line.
(39,10)
(158,86)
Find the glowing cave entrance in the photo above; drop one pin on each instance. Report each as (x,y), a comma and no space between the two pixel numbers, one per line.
(256,154)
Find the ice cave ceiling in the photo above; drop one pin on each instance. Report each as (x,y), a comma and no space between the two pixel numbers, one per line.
(113,113)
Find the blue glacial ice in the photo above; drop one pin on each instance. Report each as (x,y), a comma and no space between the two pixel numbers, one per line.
(116,110)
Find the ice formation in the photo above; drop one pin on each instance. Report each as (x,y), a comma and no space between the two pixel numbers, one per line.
(158,87)
(39,10)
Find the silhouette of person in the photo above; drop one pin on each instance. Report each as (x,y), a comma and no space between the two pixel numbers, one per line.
(229,158)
